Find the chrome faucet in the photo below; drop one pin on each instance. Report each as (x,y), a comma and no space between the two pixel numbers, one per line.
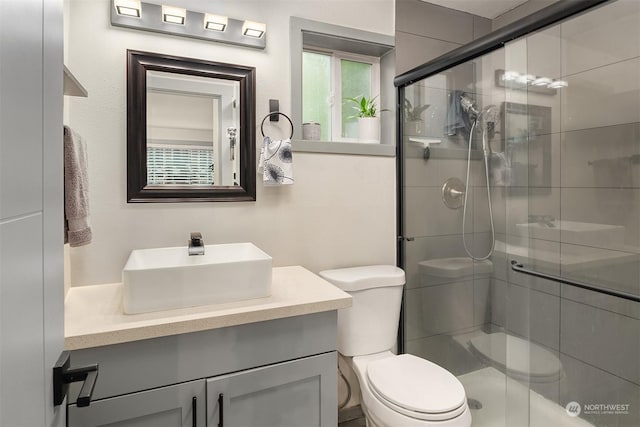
(196,244)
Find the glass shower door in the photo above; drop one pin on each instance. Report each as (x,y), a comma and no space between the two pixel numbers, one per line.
(557,115)
(454,220)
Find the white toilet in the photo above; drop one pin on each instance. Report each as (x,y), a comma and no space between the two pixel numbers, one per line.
(397,390)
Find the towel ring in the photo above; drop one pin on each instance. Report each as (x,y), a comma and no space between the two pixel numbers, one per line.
(271,114)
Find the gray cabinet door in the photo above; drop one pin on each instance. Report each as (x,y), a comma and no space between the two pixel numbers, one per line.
(298,393)
(162,407)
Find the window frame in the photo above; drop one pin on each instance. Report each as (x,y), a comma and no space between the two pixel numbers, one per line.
(315,35)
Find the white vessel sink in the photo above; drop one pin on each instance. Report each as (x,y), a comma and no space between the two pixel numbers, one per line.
(168,278)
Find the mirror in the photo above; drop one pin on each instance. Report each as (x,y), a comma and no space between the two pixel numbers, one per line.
(527,133)
(189,130)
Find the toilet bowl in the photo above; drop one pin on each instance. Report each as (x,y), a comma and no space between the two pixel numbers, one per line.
(397,390)
(405,390)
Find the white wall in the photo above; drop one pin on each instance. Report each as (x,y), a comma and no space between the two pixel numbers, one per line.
(340,211)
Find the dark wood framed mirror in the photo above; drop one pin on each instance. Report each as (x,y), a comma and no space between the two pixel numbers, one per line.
(190,130)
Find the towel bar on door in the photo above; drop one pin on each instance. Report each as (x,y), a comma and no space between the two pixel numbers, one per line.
(518,267)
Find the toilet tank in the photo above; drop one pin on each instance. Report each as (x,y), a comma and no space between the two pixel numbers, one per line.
(370,325)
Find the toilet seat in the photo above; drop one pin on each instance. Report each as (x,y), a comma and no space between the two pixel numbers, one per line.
(416,388)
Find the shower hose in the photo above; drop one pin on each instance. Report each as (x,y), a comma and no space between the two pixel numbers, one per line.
(466,194)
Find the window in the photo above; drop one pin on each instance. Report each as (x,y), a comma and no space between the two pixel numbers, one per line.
(179,165)
(328,79)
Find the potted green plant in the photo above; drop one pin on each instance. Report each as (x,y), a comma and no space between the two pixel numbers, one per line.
(368,120)
(413,117)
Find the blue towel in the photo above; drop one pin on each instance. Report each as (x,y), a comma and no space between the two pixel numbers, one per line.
(457,119)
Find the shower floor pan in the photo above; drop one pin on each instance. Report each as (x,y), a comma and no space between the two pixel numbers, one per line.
(490,386)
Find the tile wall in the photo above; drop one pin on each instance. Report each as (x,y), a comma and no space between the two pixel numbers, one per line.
(425,31)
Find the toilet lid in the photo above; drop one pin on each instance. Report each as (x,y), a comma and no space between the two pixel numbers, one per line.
(519,358)
(417,387)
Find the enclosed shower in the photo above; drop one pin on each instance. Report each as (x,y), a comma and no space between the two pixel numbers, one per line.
(519,217)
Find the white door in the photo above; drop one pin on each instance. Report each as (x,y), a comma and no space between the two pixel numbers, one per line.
(31,276)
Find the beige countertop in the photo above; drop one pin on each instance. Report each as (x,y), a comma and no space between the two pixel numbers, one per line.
(94,316)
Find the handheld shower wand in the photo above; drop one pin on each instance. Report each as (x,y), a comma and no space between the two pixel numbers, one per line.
(470,108)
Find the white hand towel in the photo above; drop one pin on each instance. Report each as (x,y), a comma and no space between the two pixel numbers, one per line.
(76,190)
(276,162)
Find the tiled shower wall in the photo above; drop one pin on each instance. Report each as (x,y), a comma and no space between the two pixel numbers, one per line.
(425,31)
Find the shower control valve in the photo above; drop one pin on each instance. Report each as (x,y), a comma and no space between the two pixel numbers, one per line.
(453,193)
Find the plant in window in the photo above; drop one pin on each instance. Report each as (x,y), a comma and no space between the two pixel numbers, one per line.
(368,120)
(366,107)
(414,113)
(413,117)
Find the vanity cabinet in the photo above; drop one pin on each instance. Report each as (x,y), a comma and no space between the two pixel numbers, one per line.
(180,405)
(290,394)
(276,373)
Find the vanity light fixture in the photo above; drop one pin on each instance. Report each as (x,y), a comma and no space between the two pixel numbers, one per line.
(525,78)
(511,75)
(253,29)
(215,22)
(520,81)
(541,81)
(557,84)
(128,7)
(177,21)
(174,15)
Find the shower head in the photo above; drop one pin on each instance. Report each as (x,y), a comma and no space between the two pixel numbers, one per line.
(469,106)
(490,111)
(490,115)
